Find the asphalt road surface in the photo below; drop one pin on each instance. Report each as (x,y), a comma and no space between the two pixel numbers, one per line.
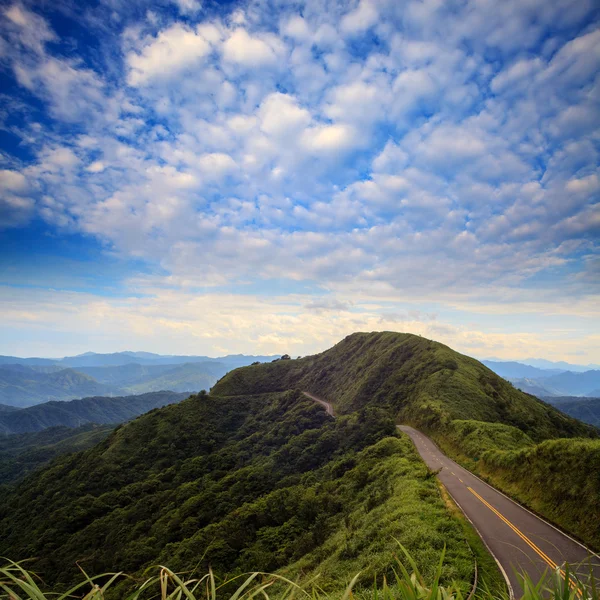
(519,540)
(327,406)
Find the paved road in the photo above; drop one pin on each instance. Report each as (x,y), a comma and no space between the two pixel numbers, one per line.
(327,406)
(518,539)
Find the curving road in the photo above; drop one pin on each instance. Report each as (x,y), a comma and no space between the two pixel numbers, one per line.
(518,539)
(324,403)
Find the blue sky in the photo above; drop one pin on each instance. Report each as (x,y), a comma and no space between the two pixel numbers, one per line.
(206,178)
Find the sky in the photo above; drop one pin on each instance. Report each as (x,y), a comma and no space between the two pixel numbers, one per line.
(266,177)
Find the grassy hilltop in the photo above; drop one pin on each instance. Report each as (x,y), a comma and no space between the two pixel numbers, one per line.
(417,380)
(476,416)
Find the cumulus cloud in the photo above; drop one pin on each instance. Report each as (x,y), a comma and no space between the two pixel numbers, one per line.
(246,50)
(171,51)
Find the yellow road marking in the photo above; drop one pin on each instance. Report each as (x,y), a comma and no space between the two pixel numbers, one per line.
(547,559)
(460,480)
(515,529)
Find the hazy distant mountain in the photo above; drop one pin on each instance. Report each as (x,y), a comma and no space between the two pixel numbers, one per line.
(514,370)
(190,377)
(574,384)
(30,381)
(100,410)
(5,408)
(25,386)
(93,359)
(563,384)
(560,365)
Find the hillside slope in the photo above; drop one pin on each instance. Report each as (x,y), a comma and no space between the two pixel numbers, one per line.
(416,379)
(263,482)
(23,453)
(584,409)
(74,413)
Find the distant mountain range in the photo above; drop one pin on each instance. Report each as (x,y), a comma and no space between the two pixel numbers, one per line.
(75,413)
(22,385)
(548,382)
(115,359)
(29,381)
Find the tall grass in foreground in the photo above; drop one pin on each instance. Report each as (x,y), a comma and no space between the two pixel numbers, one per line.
(17,583)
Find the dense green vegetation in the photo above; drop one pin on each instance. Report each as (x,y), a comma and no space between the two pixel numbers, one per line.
(255,476)
(417,380)
(74,413)
(21,454)
(557,478)
(263,482)
(463,405)
(584,409)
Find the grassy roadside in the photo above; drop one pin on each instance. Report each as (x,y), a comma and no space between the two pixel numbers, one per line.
(551,478)
(489,575)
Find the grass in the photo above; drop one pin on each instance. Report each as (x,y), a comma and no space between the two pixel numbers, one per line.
(555,478)
(406,582)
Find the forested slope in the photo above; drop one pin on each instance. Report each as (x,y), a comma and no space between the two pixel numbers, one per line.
(463,405)
(416,379)
(252,482)
(74,413)
(20,454)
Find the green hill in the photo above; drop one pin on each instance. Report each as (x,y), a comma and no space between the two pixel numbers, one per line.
(255,476)
(463,405)
(74,413)
(417,380)
(266,482)
(584,409)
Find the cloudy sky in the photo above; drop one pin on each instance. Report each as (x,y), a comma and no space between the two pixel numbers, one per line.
(270,176)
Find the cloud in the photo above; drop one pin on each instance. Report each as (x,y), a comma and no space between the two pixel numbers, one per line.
(171,51)
(374,149)
(243,49)
(363,17)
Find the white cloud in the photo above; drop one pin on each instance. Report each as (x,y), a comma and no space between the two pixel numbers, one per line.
(280,114)
(243,49)
(13,181)
(171,51)
(363,17)
(329,138)
(188,7)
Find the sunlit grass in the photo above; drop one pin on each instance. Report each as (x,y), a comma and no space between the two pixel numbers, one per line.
(407,583)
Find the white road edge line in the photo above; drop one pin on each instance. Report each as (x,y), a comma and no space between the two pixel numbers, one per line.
(516,503)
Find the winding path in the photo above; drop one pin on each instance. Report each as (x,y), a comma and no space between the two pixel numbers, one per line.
(519,540)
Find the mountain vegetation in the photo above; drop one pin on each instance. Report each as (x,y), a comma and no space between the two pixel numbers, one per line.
(417,380)
(255,476)
(25,386)
(20,454)
(267,482)
(558,478)
(584,409)
(463,405)
(98,409)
